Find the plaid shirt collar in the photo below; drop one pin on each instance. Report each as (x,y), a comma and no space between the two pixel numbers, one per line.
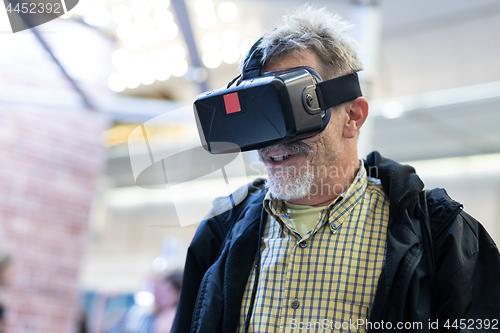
(338,210)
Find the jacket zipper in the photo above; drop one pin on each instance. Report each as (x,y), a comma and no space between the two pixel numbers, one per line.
(408,279)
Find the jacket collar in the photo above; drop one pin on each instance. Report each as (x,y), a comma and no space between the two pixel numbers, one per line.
(442,209)
(400,182)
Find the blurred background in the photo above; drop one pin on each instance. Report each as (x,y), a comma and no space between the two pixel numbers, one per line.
(87,250)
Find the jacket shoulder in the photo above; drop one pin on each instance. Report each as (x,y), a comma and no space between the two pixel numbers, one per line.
(447,216)
(467,261)
(441,209)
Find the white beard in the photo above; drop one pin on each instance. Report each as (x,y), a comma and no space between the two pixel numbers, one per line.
(290,183)
(286,185)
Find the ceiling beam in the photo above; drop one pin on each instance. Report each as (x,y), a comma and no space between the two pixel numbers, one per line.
(184,23)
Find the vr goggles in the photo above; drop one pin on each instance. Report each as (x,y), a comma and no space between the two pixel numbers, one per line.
(277,107)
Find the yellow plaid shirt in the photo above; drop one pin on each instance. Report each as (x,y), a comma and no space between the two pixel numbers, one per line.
(328,277)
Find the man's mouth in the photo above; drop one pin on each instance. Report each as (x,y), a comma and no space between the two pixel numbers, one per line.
(276,155)
(280,158)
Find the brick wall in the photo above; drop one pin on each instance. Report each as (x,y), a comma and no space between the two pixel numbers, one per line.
(49,161)
(50,156)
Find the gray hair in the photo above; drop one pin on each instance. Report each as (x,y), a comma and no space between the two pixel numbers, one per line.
(317,30)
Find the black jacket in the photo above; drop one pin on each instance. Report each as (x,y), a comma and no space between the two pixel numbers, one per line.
(440,265)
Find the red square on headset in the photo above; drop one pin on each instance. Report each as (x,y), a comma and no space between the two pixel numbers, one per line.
(232,103)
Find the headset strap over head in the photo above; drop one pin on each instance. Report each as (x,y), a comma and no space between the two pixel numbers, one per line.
(330,93)
(253,62)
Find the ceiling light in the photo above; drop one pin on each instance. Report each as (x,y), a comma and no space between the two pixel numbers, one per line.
(148,78)
(121,14)
(158,57)
(207,20)
(163,17)
(133,42)
(116,82)
(96,3)
(212,59)
(158,5)
(159,60)
(121,58)
(175,52)
(139,8)
(142,69)
(144,24)
(141,60)
(162,71)
(203,7)
(210,43)
(169,32)
(151,37)
(178,67)
(230,54)
(132,80)
(227,11)
(229,38)
(97,17)
(125,30)
(162,74)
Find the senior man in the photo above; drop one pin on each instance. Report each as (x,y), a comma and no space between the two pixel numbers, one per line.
(332,243)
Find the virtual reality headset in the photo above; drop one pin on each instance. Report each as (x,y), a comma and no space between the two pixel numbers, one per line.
(275,107)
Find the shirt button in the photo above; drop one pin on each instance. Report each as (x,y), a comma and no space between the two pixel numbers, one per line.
(295,304)
(303,244)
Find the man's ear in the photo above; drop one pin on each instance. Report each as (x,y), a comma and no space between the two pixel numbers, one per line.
(357,111)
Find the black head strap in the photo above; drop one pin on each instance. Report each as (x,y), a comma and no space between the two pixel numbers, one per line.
(337,91)
(253,62)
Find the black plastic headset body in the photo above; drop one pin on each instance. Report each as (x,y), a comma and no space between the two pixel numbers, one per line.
(258,110)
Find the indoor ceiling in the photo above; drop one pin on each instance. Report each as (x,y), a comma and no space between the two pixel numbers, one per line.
(424,45)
